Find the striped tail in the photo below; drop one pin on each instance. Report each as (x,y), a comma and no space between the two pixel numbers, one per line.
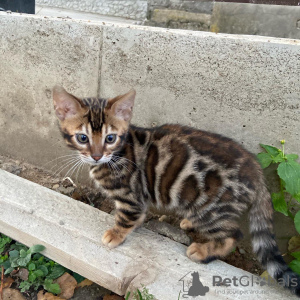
(264,244)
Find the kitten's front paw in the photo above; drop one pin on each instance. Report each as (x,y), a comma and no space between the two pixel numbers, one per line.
(112,238)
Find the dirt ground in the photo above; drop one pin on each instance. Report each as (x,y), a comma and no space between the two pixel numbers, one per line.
(242,257)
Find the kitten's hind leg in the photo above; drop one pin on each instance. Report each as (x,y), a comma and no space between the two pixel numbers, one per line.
(214,248)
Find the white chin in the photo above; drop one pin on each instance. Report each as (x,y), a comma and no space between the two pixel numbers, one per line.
(103,160)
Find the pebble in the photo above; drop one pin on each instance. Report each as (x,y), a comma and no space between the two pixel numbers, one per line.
(55,186)
(242,251)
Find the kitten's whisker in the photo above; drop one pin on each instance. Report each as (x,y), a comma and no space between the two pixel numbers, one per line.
(66,162)
(113,168)
(126,159)
(79,169)
(57,159)
(72,168)
(110,169)
(66,165)
(124,166)
(63,162)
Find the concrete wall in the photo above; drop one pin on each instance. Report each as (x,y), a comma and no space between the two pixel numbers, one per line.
(241,86)
(184,14)
(205,15)
(267,20)
(237,18)
(133,9)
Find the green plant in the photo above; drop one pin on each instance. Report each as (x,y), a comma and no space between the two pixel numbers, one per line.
(41,270)
(285,201)
(141,295)
(4,242)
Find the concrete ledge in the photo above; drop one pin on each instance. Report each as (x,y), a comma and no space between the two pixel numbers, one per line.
(71,232)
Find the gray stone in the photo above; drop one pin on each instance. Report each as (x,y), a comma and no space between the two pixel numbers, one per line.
(165,229)
(93,292)
(242,251)
(12,168)
(66,190)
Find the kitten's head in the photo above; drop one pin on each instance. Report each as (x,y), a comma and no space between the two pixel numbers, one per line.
(95,127)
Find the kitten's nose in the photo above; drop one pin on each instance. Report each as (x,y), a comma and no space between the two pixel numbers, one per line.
(96,158)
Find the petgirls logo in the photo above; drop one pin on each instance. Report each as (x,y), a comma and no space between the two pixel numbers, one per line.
(251,281)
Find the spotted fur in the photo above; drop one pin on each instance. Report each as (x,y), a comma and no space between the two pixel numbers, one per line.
(206,179)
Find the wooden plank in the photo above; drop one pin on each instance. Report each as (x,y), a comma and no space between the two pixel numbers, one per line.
(71,232)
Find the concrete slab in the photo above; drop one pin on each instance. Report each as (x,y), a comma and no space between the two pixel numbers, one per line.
(79,15)
(71,232)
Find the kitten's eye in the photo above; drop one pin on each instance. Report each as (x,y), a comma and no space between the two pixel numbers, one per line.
(111,138)
(82,138)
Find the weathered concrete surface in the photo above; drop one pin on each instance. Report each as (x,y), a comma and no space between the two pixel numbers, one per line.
(172,18)
(267,20)
(134,9)
(71,232)
(242,86)
(79,15)
(36,53)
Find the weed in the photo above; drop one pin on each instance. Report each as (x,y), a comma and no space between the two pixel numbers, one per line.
(141,295)
(285,201)
(41,270)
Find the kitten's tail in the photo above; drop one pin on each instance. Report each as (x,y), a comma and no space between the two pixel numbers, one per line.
(264,244)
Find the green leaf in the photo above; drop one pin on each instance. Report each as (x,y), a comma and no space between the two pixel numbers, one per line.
(44,269)
(36,249)
(289,172)
(297,197)
(279,203)
(295,266)
(32,277)
(292,157)
(38,256)
(14,254)
(23,253)
(25,286)
(296,255)
(31,267)
(57,271)
(9,270)
(6,264)
(78,277)
(140,295)
(127,296)
(264,159)
(278,158)
(14,262)
(270,149)
(54,288)
(297,221)
(38,273)
(22,262)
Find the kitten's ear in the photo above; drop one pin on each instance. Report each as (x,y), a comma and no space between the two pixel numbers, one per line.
(65,104)
(122,105)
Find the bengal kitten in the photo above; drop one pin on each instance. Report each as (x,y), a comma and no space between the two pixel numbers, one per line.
(206,179)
